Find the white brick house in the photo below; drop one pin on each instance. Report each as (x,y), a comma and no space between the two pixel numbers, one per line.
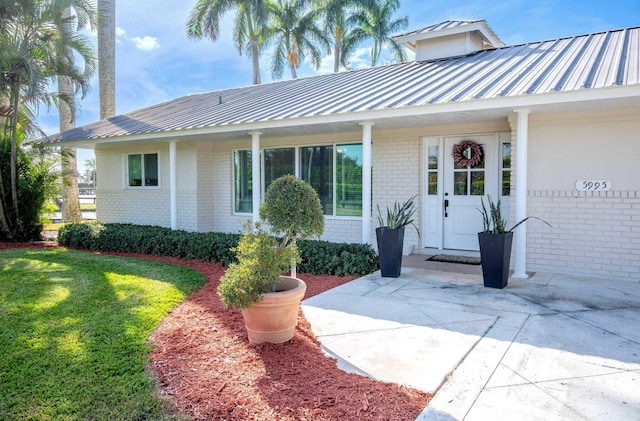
(558,122)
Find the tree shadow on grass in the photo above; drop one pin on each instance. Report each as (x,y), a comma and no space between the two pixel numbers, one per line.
(73,333)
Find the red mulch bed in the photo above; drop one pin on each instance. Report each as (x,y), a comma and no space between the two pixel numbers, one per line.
(205,366)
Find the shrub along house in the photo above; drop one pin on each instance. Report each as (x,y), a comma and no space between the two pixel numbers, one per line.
(549,127)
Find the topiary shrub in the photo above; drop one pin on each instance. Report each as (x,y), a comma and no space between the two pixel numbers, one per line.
(292,208)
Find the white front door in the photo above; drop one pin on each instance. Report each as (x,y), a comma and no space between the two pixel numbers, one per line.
(463,186)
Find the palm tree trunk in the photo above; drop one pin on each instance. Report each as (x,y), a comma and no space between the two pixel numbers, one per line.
(106,57)
(336,55)
(15,102)
(294,74)
(70,201)
(255,59)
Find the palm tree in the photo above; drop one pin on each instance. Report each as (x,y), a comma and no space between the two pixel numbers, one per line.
(376,22)
(295,33)
(35,46)
(249,24)
(106,57)
(335,17)
(68,24)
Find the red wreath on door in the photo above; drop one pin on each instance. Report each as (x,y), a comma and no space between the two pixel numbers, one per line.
(475,156)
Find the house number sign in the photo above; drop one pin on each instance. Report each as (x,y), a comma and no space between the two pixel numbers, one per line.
(593,185)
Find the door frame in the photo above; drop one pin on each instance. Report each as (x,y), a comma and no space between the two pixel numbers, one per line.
(432,221)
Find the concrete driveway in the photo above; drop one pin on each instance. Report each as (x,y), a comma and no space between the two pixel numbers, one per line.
(548,348)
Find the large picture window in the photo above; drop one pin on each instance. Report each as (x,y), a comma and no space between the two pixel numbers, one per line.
(142,170)
(334,171)
(278,162)
(349,180)
(242,181)
(316,168)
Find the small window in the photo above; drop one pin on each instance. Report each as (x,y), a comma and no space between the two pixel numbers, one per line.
(143,170)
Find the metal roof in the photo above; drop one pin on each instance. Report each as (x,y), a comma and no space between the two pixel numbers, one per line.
(585,62)
(447,24)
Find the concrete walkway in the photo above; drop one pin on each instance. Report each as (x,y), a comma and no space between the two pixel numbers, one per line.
(547,348)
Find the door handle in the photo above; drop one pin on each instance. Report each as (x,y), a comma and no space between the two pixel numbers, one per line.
(446,205)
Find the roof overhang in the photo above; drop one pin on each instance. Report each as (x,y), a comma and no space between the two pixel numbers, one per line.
(415,116)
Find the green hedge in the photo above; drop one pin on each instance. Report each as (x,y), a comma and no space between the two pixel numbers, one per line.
(318,257)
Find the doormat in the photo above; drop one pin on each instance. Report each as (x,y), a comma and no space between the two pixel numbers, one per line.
(447,258)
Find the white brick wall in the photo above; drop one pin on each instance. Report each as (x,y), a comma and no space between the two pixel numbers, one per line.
(205,189)
(139,206)
(396,177)
(593,234)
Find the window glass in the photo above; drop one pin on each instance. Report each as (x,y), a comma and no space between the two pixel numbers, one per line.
(460,183)
(506,155)
(349,180)
(433,157)
(242,175)
(506,165)
(135,170)
(278,162)
(316,168)
(433,183)
(506,183)
(477,183)
(151,169)
(433,171)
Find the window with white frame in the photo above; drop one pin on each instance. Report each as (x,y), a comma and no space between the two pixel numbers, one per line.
(142,170)
(334,171)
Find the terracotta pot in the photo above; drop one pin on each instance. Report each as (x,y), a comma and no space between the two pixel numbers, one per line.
(274,318)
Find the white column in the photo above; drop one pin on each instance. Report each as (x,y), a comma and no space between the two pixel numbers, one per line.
(255,174)
(173,185)
(366,180)
(520,237)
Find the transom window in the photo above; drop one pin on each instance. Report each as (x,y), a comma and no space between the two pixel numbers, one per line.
(142,170)
(334,171)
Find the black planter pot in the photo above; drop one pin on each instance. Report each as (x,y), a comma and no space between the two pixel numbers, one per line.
(390,250)
(495,252)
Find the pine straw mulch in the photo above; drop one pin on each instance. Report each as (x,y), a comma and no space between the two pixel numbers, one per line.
(206,368)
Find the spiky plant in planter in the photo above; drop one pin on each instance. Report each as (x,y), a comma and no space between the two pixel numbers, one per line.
(390,236)
(495,243)
(269,301)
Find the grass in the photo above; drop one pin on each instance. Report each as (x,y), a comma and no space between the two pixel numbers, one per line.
(73,333)
(88,206)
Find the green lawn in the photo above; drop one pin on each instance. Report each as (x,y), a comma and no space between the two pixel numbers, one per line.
(73,333)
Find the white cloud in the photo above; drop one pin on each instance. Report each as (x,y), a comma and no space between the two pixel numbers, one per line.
(146,43)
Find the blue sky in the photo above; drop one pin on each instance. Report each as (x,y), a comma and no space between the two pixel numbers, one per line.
(155,61)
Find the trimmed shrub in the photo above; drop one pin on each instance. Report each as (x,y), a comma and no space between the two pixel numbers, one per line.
(318,257)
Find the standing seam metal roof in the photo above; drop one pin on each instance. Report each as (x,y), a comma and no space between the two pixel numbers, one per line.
(568,64)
